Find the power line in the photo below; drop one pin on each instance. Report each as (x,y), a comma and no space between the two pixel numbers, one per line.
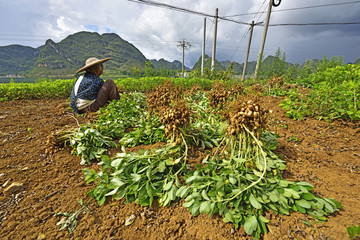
(311,24)
(163,5)
(293,9)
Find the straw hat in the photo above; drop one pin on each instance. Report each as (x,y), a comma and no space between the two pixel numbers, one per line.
(91,62)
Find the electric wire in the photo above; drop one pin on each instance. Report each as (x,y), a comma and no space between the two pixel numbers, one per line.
(311,24)
(163,5)
(294,9)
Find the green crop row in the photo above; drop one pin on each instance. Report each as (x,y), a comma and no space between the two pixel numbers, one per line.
(62,88)
(335,94)
(40,90)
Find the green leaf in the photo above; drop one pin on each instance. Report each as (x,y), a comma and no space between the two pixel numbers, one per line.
(307,196)
(274,196)
(250,225)
(205,207)
(204,195)
(191,179)
(149,189)
(262,218)
(168,185)
(288,192)
(188,204)
(308,186)
(112,192)
(352,231)
(300,209)
(101,201)
(303,203)
(117,182)
(255,203)
(194,209)
(172,193)
(116,162)
(283,183)
(162,166)
(228,217)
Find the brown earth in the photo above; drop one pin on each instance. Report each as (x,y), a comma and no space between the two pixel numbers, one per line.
(327,155)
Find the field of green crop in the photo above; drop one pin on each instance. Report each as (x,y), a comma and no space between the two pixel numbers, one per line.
(240,176)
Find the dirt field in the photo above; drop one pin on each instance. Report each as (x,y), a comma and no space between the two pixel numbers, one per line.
(327,155)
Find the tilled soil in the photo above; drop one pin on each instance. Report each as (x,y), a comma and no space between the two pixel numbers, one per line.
(36,183)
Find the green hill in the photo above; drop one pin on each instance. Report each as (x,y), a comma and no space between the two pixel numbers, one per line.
(65,57)
(17,59)
(207,64)
(164,64)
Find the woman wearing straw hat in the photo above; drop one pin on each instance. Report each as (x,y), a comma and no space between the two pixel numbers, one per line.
(90,92)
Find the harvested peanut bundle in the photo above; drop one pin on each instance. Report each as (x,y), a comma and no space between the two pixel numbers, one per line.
(276,82)
(236,90)
(194,89)
(219,95)
(257,88)
(163,95)
(59,139)
(175,117)
(247,113)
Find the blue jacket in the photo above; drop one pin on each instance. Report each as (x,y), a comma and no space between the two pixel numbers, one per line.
(88,89)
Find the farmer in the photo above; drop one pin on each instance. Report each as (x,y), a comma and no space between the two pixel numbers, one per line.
(90,92)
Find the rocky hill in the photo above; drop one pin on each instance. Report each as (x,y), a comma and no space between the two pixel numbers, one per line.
(65,57)
(164,64)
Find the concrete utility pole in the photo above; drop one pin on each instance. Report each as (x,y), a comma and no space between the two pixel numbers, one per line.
(248,50)
(203,49)
(214,45)
(263,39)
(183,44)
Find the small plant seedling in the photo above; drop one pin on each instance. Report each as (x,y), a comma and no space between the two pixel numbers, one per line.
(293,138)
(353,231)
(30,133)
(70,221)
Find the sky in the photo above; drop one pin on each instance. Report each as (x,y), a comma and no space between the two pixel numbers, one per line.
(156,31)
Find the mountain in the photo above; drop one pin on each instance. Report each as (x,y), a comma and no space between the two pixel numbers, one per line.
(207,64)
(164,64)
(357,62)
(70,54)
(238,68)
(17,59)
(223,65)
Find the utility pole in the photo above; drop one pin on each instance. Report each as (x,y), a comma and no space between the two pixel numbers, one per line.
(248,50)
(203,49)
(214,45)
(263,39)
(183,44)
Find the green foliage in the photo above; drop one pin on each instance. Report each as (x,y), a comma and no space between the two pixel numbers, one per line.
(147,131)
(239,180)
(90,144)
(120,115)
(140,84)
(139,177)
(40,90)
(46,88)
(332,76)
(274,65)
(353,231)
(216,74)
(335,95)
(70,221)
(303,75)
